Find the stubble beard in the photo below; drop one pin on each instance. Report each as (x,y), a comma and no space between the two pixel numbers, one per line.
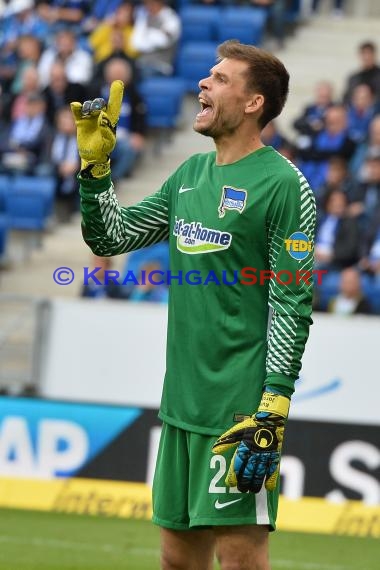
(206,131)
(214,130)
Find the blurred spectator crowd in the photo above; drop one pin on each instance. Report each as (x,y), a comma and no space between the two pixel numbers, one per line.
(337,147)
(52,53)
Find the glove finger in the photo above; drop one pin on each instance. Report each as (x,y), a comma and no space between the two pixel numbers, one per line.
(76,109)
(115,101)
(241,469)
(273,471)
(280,438)
(97,105)
(253,470)
(234,435)
(271,482)
(86,108)
(220,447)
(230,479)
(255,476)
(227,440)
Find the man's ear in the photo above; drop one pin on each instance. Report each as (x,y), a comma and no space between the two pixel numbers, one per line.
(255,103)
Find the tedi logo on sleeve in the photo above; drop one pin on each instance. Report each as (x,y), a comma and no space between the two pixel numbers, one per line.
(232,199)
(298,245)
(193,237)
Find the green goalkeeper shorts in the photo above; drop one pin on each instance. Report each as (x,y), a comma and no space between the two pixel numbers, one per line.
(189,489)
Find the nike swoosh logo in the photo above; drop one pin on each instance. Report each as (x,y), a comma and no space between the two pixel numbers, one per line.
(182,189)
(223,505)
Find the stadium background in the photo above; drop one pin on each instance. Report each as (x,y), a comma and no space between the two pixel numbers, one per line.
(78,410)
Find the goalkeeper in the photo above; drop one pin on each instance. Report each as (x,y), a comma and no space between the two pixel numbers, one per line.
(233,352)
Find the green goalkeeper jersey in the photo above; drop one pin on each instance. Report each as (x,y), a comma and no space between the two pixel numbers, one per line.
(241,255)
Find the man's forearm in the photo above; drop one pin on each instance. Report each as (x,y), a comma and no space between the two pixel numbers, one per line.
(109,229)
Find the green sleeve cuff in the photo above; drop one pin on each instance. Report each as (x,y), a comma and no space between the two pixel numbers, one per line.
(95,186)
(283,384)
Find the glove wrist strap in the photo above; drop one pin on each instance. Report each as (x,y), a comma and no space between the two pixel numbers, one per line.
(95,170)
(274,404)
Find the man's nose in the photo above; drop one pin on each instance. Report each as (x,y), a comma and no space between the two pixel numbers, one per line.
(204,84)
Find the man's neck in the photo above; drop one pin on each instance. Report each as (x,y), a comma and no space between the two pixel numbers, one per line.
(230,149)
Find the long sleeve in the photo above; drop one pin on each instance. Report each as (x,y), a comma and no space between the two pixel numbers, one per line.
(290,234)
(109,229)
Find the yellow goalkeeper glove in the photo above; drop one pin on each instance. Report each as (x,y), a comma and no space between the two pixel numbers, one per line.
(256,460)
(96,131)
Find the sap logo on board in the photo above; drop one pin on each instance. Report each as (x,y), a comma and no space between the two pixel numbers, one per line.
(58,448)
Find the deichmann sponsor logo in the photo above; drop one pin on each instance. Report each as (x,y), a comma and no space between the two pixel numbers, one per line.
(246,276)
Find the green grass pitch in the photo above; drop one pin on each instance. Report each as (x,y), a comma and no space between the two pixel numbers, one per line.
(48,541)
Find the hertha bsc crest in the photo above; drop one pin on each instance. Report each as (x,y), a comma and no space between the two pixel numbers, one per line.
(232,199)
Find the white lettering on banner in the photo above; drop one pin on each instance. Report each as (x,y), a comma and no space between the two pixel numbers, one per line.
(16,449)
(60,448)
(154,440)
(345,474)
(292,477)
(52,460)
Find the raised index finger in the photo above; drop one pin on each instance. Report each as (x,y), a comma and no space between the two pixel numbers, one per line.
(115,100)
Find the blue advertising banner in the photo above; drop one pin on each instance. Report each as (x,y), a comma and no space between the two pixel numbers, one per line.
(49,439)
(42,439)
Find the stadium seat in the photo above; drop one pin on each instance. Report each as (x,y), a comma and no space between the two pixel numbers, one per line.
(163,97)
(374,297)
(158,252)
(102,8)
(194,61)
(30,202)
(178,4)
(5,184)
(328,288)
(371,289)
(199,23)
(366,283)
(293,10)
(26,210)
(3,235)
(243,23)
(45,185)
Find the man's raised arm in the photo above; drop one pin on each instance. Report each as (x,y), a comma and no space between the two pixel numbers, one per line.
(108,228)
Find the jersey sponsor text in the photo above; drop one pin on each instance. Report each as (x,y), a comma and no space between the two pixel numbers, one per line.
(193,237)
